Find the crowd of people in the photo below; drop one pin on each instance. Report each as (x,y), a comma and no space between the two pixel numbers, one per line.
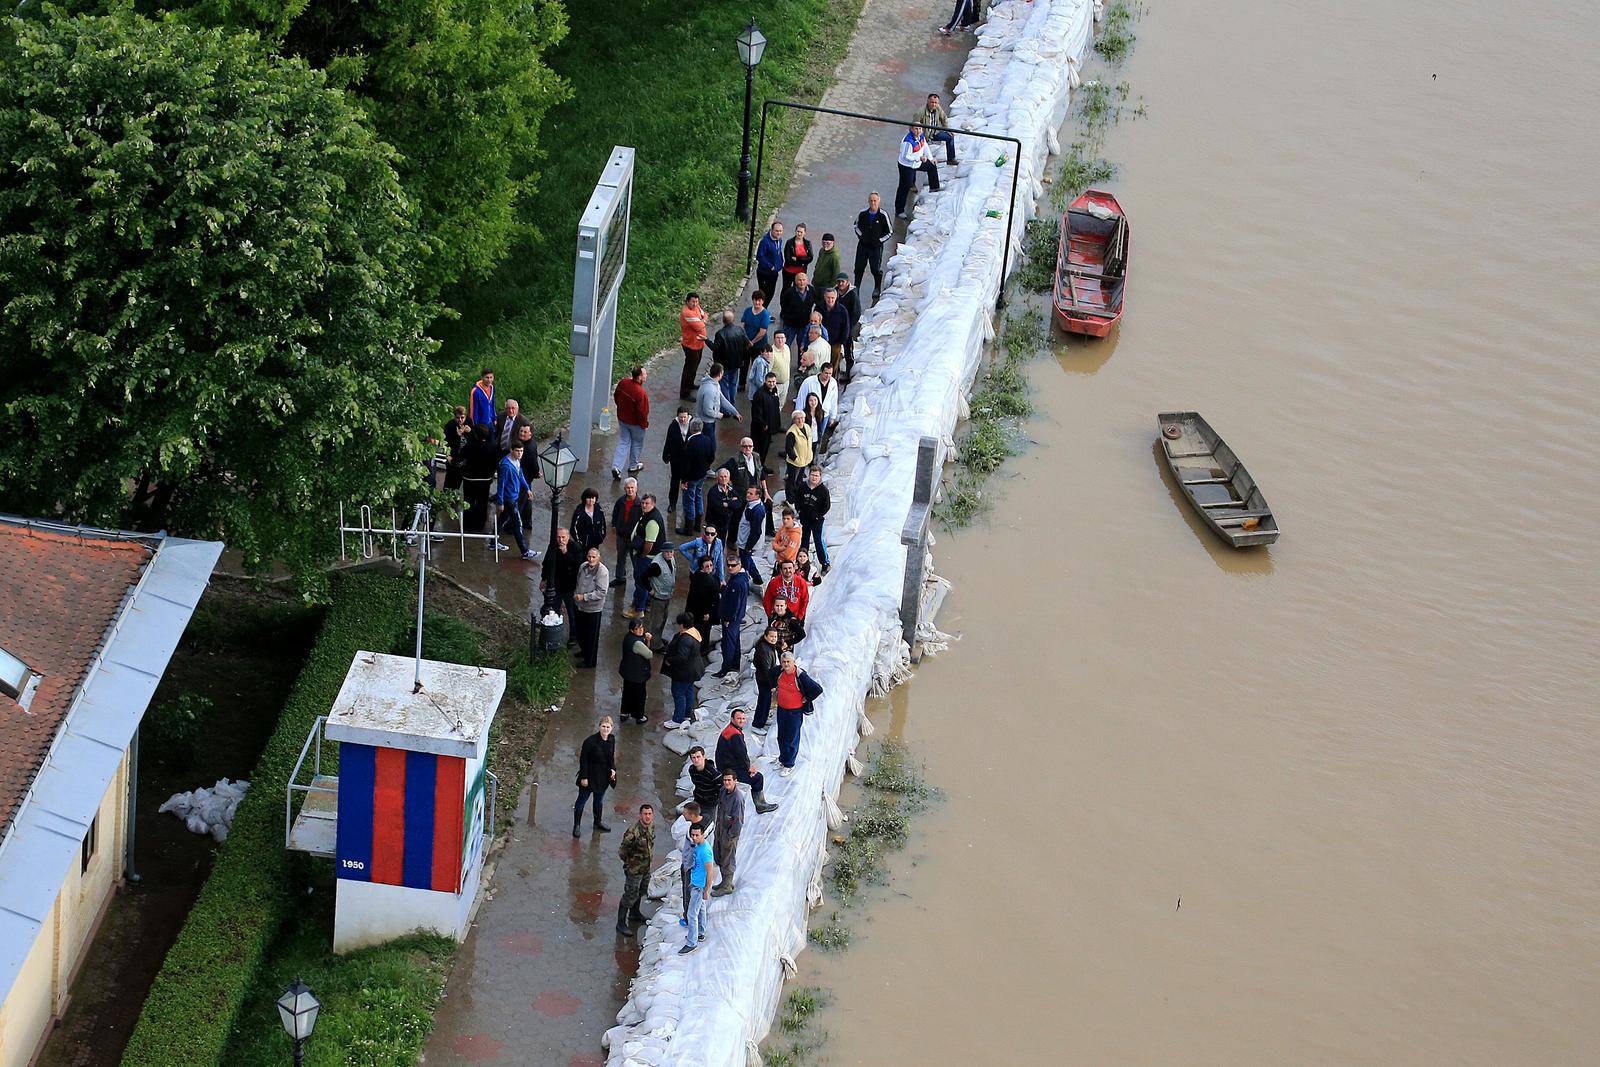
(721,523)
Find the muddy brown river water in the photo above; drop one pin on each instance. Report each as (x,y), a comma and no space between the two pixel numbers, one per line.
(1367,759)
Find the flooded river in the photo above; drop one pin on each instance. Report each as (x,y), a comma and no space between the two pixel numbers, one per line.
(1335,801)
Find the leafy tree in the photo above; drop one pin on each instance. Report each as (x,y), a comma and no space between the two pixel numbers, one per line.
(208,310)
(458,86)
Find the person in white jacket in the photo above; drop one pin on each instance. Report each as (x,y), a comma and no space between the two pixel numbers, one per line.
(827,393)
(915,154)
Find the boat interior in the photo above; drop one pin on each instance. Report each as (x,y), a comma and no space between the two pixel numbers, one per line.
(1094,271)
(1218,483)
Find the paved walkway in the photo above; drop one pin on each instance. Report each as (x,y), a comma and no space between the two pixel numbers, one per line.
(544,973)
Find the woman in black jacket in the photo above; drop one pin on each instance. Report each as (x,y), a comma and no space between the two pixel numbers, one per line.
(597,772)
(791,631)
(768,662)
(589,523)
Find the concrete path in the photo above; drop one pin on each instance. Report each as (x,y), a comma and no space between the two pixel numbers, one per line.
(544,973)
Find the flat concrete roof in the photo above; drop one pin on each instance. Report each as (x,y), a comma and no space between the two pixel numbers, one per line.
(450,716)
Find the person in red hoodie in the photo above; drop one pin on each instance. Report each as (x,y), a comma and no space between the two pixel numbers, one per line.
(633,418)
(789,585)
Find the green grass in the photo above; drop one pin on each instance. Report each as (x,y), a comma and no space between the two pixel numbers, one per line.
(664,78)
(1116,37)
(541,681)
(882,822)
(377,1004)
(831,936)
(998,405)
(796,1017)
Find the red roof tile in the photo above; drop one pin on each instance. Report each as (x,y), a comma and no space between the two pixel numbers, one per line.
(60,591)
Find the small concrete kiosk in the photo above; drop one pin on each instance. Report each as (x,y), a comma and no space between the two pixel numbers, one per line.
(405,817)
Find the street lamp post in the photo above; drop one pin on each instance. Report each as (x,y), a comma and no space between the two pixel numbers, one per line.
(298,1009)
(752,43)
(556,464)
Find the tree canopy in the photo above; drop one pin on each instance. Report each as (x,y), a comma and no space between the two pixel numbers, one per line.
(209,310)
(459,87)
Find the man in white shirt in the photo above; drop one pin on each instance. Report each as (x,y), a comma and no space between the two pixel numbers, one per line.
(915,154)
(827,392)
(817,346)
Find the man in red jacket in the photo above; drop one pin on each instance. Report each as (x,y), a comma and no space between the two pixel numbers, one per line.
(633,418)
(791,586)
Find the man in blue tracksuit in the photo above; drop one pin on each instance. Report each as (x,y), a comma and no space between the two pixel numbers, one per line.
(730,613)
(514,489)
(769,259)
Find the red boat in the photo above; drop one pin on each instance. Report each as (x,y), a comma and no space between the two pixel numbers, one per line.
(1092,264)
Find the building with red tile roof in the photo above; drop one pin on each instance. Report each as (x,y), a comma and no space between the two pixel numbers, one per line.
(88,621)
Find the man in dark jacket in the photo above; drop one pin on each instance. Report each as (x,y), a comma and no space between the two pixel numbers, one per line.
(624,517)
(699,452)
(705,593)
(558,577)
(795,307)
(850,297)
(836,322)
(873,230)
(744,466)
(730,347)
(766,416)
(637,851)
(732,755)
(731,603)
(811,503)
(723,502)
(795,695)
(706,780)
(508,426)
(479,457)
(672,453)
(634,667)
(729,822)
(684,666)
(649,534)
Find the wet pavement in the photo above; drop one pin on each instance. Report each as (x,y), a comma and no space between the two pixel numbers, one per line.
(543,973)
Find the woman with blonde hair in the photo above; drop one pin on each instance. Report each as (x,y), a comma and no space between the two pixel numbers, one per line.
(597,772)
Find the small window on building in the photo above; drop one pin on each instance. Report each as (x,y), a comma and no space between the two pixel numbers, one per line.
(90,840)
(16,680)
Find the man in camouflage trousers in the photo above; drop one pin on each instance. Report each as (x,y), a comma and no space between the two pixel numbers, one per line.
(638,852)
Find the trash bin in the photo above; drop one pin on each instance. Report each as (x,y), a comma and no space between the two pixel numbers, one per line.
(549,632)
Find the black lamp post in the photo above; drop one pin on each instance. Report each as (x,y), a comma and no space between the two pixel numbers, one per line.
(752,43)
(298,1009)
(556,464)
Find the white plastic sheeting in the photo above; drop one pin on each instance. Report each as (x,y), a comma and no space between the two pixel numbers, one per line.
(208,811)
(917,355)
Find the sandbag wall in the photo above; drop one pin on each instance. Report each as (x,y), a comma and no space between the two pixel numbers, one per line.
(918,352)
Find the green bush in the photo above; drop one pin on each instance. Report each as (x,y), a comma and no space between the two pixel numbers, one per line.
(217,957)
(445,638)
(171,727)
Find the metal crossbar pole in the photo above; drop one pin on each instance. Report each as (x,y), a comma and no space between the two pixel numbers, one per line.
(761,152)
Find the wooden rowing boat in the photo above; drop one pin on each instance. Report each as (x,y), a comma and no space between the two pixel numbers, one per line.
(1215,482)
(1091,264)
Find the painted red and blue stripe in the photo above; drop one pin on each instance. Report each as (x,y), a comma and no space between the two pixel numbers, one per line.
(401,816)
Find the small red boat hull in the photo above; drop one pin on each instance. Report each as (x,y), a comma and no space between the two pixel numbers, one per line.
(1091,265)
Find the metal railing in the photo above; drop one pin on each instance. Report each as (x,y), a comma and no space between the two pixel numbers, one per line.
(294,785)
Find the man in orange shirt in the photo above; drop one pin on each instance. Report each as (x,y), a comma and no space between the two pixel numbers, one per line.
(692,325)
(788,585)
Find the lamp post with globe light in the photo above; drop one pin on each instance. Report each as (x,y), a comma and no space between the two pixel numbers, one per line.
(752,44)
